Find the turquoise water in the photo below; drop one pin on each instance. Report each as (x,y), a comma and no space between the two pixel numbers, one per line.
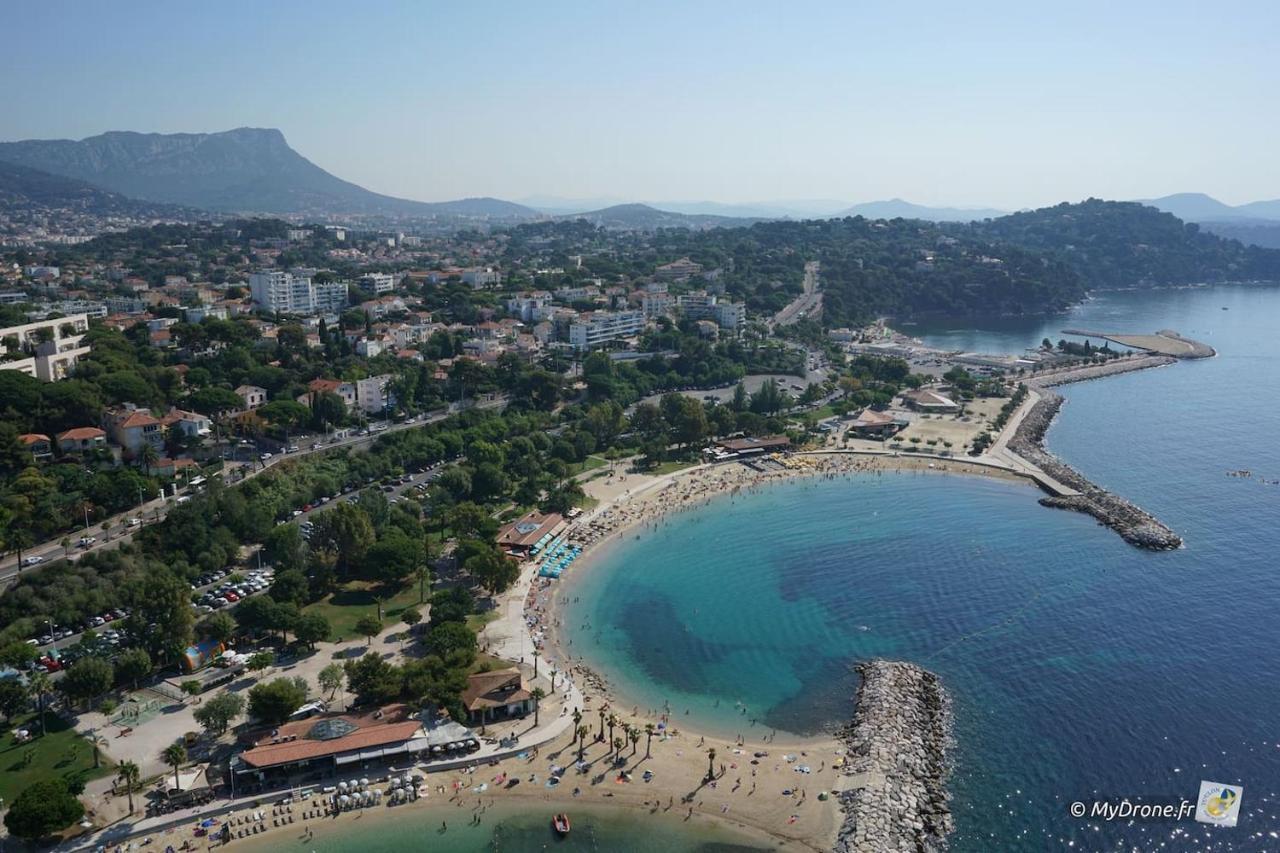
(1081,667)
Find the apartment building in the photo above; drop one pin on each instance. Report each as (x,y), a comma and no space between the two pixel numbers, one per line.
(52,348)
(294,292)
(597,328)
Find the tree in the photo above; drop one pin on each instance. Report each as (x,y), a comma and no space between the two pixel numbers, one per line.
(711,763)
(451,637)
(369,626)
(410,616)
(13,697)
(311,628)
(331,678)
(88,678)
(394,556)
(129,775)
(259,661)
(133,664)
(633,734)
(373,679)
(347,530)
(40,686)
(175,755)
(493,570)
(538,695)
(582,731)
(219,627)
(649,729)
(97,741)
(215,716)
(272,702)
(42,808)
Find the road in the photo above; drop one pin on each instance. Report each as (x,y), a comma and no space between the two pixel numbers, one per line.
(808,305)
(155,510)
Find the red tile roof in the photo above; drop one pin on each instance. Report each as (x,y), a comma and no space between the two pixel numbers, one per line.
(81,434)
(370,732)
(31,438)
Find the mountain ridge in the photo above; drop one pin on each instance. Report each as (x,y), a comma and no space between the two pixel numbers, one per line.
(244,170)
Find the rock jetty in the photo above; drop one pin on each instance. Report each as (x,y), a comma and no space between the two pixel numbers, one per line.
(895,798)
(1134,525)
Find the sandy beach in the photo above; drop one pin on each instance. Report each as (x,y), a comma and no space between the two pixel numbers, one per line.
(774,786)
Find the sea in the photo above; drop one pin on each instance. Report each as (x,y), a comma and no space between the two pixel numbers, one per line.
(1082,669)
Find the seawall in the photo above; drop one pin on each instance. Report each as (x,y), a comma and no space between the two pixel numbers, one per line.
(1135,526)
(894,789)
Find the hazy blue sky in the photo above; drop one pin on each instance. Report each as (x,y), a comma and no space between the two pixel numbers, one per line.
(997,104)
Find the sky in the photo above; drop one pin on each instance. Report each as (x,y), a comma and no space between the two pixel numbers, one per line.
(1001,104)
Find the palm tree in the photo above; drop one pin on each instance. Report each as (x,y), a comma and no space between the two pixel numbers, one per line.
(617,746)
(538,695)
(40,686)
(148,456)
(649,729)
(577,719)
(604,709)
(613,721)
(582,739)
(130,775)
(97,741)
(711,763)
(66,546)
(553,680)
(536,654)
(175,755)
(633,735)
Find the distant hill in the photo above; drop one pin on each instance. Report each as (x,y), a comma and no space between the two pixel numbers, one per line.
(250,170)
(896,208)
(1128,244)
(1198,207)
(1252,232)
(642,217)
(24,188)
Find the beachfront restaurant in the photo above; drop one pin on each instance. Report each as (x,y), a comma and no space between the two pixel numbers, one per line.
(875,425)
(322,747)
(528,535)
(739,448)
(497,695)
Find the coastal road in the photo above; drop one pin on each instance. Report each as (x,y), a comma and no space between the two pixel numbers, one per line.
(155,510)
(808,305)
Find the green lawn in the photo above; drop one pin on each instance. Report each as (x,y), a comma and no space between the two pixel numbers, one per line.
(61,752)
(345,607)
(589,464)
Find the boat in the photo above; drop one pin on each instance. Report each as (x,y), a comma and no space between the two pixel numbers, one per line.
(560,823)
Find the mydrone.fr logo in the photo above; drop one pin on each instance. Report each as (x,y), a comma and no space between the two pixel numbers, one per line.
(1218,803)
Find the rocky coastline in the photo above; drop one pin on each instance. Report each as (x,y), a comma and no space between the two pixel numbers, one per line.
(1135,526)
(895,796)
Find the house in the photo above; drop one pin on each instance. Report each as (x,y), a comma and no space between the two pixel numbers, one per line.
(133,428)
(252,395)
(373,395)
(877,425)
(345,390)
(38,444)
(926,400)
(190,424)
(678,270)
(52,348)
(496,695)
(525,536)
(81,440)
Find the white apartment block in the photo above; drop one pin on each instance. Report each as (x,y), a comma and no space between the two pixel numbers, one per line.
(373,395)
(377,283)
(599,328)
(656,304)
(295,293)
(482,278)
(530,307)
(52,347)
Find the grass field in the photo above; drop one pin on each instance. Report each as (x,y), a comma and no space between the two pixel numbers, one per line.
(358,598)
(61,752)
(673,466)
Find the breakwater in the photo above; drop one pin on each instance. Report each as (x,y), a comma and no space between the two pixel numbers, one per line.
(895,796)
(1135,525)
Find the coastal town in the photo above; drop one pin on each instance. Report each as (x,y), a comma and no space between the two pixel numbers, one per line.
(434,454)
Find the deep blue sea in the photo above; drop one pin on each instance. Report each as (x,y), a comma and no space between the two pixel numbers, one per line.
(1081,667)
